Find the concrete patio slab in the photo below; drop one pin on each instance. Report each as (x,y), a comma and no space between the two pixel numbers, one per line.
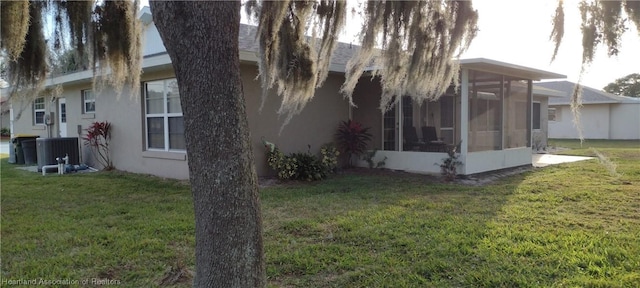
(542,160)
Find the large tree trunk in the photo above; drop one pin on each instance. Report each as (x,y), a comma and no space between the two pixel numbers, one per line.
(202,41)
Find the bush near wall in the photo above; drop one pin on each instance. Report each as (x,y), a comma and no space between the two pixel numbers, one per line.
(303,166)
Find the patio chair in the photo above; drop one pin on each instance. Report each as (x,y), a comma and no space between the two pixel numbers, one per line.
(433,143)
(411,140)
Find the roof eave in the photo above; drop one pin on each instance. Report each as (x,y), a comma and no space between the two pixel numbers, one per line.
(494,66)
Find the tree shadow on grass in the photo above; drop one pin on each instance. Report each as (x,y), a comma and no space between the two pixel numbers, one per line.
(386,229)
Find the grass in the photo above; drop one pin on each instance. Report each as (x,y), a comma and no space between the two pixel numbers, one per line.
(570,225)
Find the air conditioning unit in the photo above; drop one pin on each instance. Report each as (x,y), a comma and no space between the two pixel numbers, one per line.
(48,149)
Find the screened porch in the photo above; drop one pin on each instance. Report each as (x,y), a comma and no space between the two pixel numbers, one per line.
(487,120)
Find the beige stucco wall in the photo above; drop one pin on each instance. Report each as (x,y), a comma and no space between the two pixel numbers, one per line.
(366,97)
(315,126)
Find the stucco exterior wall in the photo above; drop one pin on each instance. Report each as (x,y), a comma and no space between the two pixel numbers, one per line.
(4,120)
(594,120)
(315,126)
(366,97)
(625,121)
(23,122)
(540,136)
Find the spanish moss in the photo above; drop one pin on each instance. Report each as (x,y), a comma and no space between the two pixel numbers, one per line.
(418,38)
(602,23)
(558,29)
(291,62)
(14,16)
(108,30)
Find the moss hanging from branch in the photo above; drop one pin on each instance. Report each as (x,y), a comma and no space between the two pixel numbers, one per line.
(14,26)
(558,29)
(292,63)
(632,8)
(115,35)
(602,22)
(31,65)
(420,41)
(109,30)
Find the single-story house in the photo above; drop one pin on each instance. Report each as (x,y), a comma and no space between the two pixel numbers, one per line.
(494,114)
(603,115)
(5,118)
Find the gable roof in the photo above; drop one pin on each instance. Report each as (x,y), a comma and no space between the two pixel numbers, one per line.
(590,95)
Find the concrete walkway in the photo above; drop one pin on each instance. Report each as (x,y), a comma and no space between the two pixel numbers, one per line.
(542,160)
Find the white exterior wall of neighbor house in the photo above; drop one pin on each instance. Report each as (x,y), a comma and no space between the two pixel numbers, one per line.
(4,120)
(23,122)
(594,119)
(625,121)
(541,134)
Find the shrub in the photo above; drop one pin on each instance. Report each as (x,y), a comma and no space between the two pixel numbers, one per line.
(302,166)
(329,154)
(352,139)
(98,137)
(449,165)
(5,131)
(369,155)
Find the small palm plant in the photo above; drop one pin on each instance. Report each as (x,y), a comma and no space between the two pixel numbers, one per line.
(352,139)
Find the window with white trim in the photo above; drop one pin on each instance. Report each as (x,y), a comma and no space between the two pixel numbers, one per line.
(553,114)
(88,102)
(164,124)
(39,111)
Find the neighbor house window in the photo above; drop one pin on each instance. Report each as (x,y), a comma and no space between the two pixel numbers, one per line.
(38,111)
(552,114)
(163,116)
(88,102)
(536,115)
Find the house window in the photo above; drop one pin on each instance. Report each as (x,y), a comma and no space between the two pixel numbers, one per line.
(163,116)
(536,115)
(88,102)
(38,111)
(553,116)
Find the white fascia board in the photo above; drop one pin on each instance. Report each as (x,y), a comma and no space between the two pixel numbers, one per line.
(489,65)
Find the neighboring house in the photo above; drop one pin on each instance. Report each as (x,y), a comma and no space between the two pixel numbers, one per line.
(5,107)
(147,134)
(5,120)
(602,116)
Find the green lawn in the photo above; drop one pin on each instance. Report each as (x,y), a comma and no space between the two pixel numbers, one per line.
(571,225)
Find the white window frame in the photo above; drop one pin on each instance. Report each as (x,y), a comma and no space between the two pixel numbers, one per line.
(86,101)
(42,110)
(554,112)
(163,115)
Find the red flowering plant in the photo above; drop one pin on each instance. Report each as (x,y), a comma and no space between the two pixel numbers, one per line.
(352,139)
(98,137)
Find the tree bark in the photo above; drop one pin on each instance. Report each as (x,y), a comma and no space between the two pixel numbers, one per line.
(202,41)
